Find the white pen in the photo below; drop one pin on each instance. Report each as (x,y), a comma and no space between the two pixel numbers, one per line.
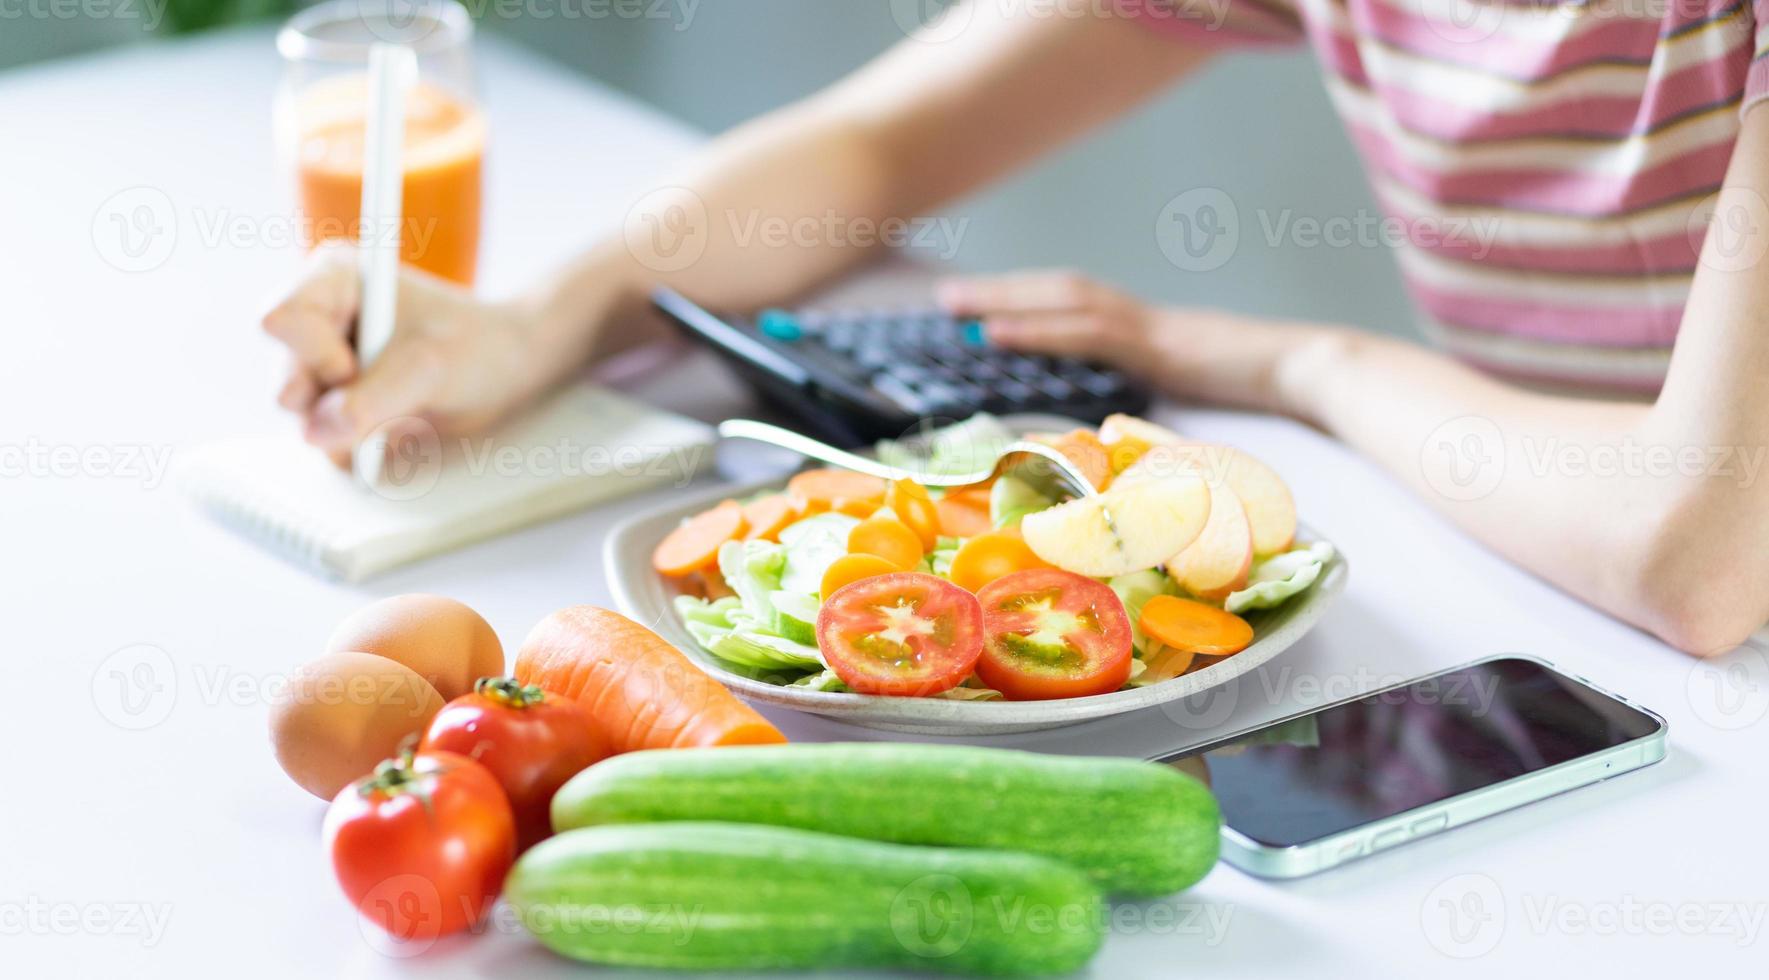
(393,69)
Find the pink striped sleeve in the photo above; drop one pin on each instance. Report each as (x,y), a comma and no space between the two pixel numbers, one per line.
(1222,23)
(1756,81)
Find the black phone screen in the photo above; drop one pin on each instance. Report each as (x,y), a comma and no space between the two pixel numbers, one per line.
(1385,753)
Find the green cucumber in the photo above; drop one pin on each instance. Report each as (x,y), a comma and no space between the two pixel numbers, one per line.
(716,896)
(795,615)
(1135,828)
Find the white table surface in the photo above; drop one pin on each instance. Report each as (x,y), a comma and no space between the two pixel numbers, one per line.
(107,825)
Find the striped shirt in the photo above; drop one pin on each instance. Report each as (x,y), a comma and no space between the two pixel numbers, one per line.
(1553,164)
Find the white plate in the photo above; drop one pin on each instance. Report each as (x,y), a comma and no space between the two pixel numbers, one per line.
(644,596)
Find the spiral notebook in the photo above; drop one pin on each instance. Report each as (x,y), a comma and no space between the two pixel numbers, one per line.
(585,446)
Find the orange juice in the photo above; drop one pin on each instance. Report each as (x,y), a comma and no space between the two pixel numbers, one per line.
(443,155)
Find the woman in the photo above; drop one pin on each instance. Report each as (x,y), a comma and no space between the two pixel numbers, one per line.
(1590,140)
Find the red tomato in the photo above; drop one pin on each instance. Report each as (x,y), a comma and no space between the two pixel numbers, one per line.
(907,634)
(1053,634)
(531,742)
(421,845)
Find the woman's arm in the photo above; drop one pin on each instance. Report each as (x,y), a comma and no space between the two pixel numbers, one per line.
(927,121)
(1657,514)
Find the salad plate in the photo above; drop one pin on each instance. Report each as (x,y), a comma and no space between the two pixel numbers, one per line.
(650,599)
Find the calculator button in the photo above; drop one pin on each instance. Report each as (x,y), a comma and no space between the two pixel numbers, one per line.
(904,395)
(1056,387)
(1100,385)
(841,336)
(780,325)
(873,357)
(938,397)
(971,333)
(1016,392)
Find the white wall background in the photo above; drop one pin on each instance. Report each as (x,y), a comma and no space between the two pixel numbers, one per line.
(1256,127)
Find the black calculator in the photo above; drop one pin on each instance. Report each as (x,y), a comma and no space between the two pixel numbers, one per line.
(859,375)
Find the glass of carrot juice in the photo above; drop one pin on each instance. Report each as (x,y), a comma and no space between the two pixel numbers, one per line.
(321,113)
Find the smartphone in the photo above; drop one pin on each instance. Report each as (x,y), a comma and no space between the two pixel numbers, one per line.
(1327,786)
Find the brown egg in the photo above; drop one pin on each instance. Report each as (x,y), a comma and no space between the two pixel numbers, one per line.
(440,638)
(345,712)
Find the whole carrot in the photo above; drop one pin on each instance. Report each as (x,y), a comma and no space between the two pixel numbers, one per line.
(641,692)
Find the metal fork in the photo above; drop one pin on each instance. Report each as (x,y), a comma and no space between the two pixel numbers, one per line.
(1047,463)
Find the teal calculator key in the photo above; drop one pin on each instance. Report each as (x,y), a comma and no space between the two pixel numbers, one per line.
(780,325)
(973,333)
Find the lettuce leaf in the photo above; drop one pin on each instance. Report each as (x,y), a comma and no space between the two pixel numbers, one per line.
(1280,577)
(953,450)
(939,560)
(754,648)
(1012,498)
(1135,590)
(822,681)
(811,546)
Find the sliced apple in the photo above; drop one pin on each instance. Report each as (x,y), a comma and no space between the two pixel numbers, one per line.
(1126,529)
(1219,561)
(1271,510)
(1127,437)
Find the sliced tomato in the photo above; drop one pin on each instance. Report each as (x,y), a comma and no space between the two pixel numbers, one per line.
(1053,634)
(906,634)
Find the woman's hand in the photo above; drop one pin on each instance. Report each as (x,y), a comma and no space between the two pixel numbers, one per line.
(1197,354)
(455,361)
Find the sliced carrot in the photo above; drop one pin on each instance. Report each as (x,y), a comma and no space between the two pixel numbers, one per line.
(1124,452)
(642,693)
(826,489)
(861,507)
(767,515)
(695,545)
(849,569)
(987,557)
(888,538)
(1194,626)
(913,505)
(962,516)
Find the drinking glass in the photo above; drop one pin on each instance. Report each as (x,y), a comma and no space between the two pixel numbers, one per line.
(321,114)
